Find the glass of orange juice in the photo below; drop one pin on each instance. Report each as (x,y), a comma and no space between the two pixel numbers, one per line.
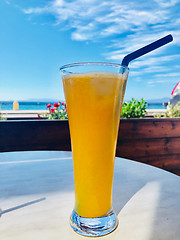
(94,94)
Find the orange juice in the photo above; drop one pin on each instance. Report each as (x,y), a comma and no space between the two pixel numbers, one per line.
(94,101)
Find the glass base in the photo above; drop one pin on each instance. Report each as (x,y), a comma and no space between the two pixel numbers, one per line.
(94,227)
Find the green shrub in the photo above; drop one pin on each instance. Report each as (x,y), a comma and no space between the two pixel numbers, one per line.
(172,112)
(134,109)
(1,117)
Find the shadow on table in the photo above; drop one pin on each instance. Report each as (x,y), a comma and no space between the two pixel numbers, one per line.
(127,182)
(130,177)
(166,212)
(20,206)
(156,197)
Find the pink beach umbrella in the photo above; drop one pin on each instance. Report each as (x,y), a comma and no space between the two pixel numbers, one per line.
(175,95)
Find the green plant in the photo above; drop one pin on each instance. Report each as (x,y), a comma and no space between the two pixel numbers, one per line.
(172,112)
(58,112)
(134,109)
(1,116)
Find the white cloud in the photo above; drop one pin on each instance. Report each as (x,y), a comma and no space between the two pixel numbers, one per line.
(107,17)
(123,18)
(151,82)
(169,75)
(154,61)
(148,63)
(36,10)
(137,79)
(154,82)
(136,25)
(156,69)
(79,36)
(149,69)
(134,73)
(171,79)
(176,35)
(7,2)
(137,40)
(166,3)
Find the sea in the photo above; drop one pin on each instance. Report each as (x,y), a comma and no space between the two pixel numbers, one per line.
(25,105)
(4,105)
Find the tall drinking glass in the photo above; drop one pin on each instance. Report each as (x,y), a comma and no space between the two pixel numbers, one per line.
(94,95)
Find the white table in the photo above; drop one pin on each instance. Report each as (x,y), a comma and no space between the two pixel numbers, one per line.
(146,199)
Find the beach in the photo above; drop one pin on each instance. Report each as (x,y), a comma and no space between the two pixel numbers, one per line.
(33,114)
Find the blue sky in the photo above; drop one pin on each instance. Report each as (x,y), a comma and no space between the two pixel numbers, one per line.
(39,36)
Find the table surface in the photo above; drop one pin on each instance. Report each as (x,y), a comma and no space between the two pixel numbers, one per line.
(146,199)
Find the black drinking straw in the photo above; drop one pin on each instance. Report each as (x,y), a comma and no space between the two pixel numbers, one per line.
(148,48)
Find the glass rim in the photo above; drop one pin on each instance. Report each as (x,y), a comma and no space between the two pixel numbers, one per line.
(92,63)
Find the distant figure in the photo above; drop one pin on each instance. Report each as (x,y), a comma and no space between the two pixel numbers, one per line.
(15,105)
(165,104)
(175,95)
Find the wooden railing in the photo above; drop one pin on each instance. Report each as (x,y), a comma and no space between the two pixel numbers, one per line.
(34,135)
(152,141)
